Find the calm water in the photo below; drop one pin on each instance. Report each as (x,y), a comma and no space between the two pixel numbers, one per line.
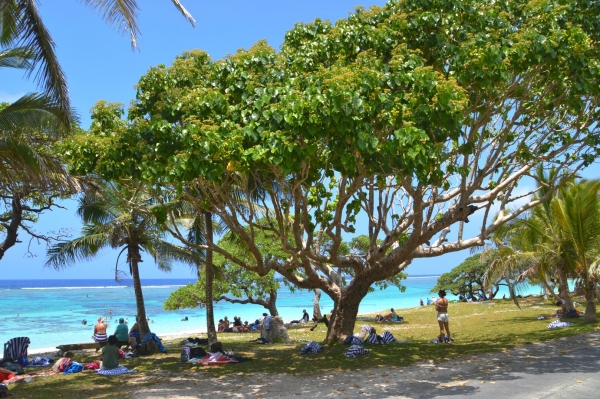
(50,311)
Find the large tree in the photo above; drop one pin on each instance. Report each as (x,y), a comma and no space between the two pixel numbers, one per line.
(466,279)
(407,119)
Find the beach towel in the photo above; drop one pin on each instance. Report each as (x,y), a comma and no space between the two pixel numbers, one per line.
(352,340)
(214,359)
(120,370)
(387,337)
(312,347)
(154,337)
(41,361)
(74,368)
(374,339)
(355,351)
(15,348)
(559,324)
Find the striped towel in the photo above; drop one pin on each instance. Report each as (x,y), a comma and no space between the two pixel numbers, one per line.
(119,370)
(387,337)
(312,347)
(355,351)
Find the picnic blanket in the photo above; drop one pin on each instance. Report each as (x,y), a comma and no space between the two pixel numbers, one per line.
(120,370)
(214,359)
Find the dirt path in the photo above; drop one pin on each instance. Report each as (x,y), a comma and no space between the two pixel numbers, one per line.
(533,371)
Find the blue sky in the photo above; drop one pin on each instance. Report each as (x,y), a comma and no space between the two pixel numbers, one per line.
(100,65)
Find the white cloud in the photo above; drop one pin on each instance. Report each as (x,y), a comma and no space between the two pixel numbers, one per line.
(9,97)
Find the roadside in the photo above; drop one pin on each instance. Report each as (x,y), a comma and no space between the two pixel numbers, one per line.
(540,370)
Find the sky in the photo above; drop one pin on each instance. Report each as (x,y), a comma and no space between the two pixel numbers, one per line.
(100,65)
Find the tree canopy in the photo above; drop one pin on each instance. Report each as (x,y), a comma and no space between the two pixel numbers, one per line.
(413,116)
(466,279)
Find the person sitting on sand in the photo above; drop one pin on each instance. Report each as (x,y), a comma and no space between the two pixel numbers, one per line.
(304,318)
(134,334)
(392,316)
(100,333)
(226,322)
(379,318)
(221,326)
(122,333)
(110,354)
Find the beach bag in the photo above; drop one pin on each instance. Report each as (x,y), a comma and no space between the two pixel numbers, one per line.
(74,368)
(216,347)
(91,366)
(197,351)
(185,354)
(14,367)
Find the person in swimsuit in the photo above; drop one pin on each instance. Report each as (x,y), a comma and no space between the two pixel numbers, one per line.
(100,333)
(441,306)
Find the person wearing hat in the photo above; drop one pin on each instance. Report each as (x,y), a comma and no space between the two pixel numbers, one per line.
(221,326)
(122,333)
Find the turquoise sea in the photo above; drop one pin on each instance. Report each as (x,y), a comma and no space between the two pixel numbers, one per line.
(50,312)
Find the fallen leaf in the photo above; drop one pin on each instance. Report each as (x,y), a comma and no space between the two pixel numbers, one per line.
(579,381)
(492,382)
(456,378)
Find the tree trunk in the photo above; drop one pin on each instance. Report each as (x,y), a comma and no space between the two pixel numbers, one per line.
(345,310)
(550,291)
(272,304)
(210,275)
(590,305)
(12,229)
(134,258)
(564,287)
(316,307)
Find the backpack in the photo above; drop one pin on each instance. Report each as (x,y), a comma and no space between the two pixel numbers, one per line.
(14,367)
(197,351)
(3,390)
(185,354)
(216,347)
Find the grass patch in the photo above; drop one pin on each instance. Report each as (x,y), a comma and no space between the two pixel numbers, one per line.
(476,328)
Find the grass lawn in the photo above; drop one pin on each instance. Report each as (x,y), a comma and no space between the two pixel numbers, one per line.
(476,328)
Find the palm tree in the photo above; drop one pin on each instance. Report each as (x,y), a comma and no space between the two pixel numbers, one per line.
(22,29)
(120,215)
(578,215)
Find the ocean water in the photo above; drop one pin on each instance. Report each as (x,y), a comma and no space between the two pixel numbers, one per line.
(50,312)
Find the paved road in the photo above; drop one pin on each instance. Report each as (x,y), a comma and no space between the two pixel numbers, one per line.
(562,368)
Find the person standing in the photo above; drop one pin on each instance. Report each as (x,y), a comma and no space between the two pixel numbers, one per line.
(441,306)
(421,302)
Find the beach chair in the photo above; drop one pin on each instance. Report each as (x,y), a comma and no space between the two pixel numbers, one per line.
(15,347)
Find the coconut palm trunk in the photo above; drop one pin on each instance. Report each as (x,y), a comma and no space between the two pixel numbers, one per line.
(142,320)
(210,274)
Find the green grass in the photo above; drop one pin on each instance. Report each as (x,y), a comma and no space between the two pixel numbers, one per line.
(476,328)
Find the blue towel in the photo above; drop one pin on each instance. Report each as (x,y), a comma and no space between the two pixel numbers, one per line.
(74,368)
(153,337)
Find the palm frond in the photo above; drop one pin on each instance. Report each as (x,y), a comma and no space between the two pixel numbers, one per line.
(68,253)
(184,12)
(18,57)
(120,13)
(32,34)
(9,15)
(33,111)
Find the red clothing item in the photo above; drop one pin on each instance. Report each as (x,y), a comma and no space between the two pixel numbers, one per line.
(4,376)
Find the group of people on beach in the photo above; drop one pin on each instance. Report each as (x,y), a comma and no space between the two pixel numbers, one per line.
(125,336)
